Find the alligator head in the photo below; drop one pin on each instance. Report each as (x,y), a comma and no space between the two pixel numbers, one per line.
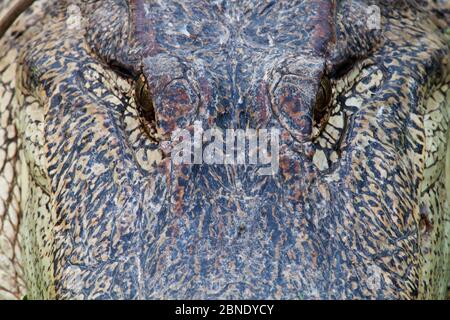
(352,203)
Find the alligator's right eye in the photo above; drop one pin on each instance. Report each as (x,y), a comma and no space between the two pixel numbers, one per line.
(323,99)
(144,99)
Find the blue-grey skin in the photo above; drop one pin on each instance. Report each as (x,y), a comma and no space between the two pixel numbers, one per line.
(360,221)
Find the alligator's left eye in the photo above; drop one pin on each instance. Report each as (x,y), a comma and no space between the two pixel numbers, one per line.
(144,99)
(323,99)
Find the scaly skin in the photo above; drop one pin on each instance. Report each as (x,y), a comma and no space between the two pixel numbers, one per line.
(92,205)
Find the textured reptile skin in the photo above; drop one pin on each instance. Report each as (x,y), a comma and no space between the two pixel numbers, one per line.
(92,205)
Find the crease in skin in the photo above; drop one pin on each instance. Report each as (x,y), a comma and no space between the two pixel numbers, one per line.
(11,15)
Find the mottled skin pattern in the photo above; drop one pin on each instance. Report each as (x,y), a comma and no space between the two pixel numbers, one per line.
(91,205)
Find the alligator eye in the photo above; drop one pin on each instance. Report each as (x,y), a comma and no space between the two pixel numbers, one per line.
(144,99)
(323,99)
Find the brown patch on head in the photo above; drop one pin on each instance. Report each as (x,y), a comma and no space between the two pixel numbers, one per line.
(141,30)
(322,24)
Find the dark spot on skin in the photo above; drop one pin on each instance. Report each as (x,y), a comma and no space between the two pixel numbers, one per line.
(242,228)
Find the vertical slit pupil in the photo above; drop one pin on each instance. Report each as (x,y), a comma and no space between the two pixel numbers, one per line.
(144,100)
(323,99)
